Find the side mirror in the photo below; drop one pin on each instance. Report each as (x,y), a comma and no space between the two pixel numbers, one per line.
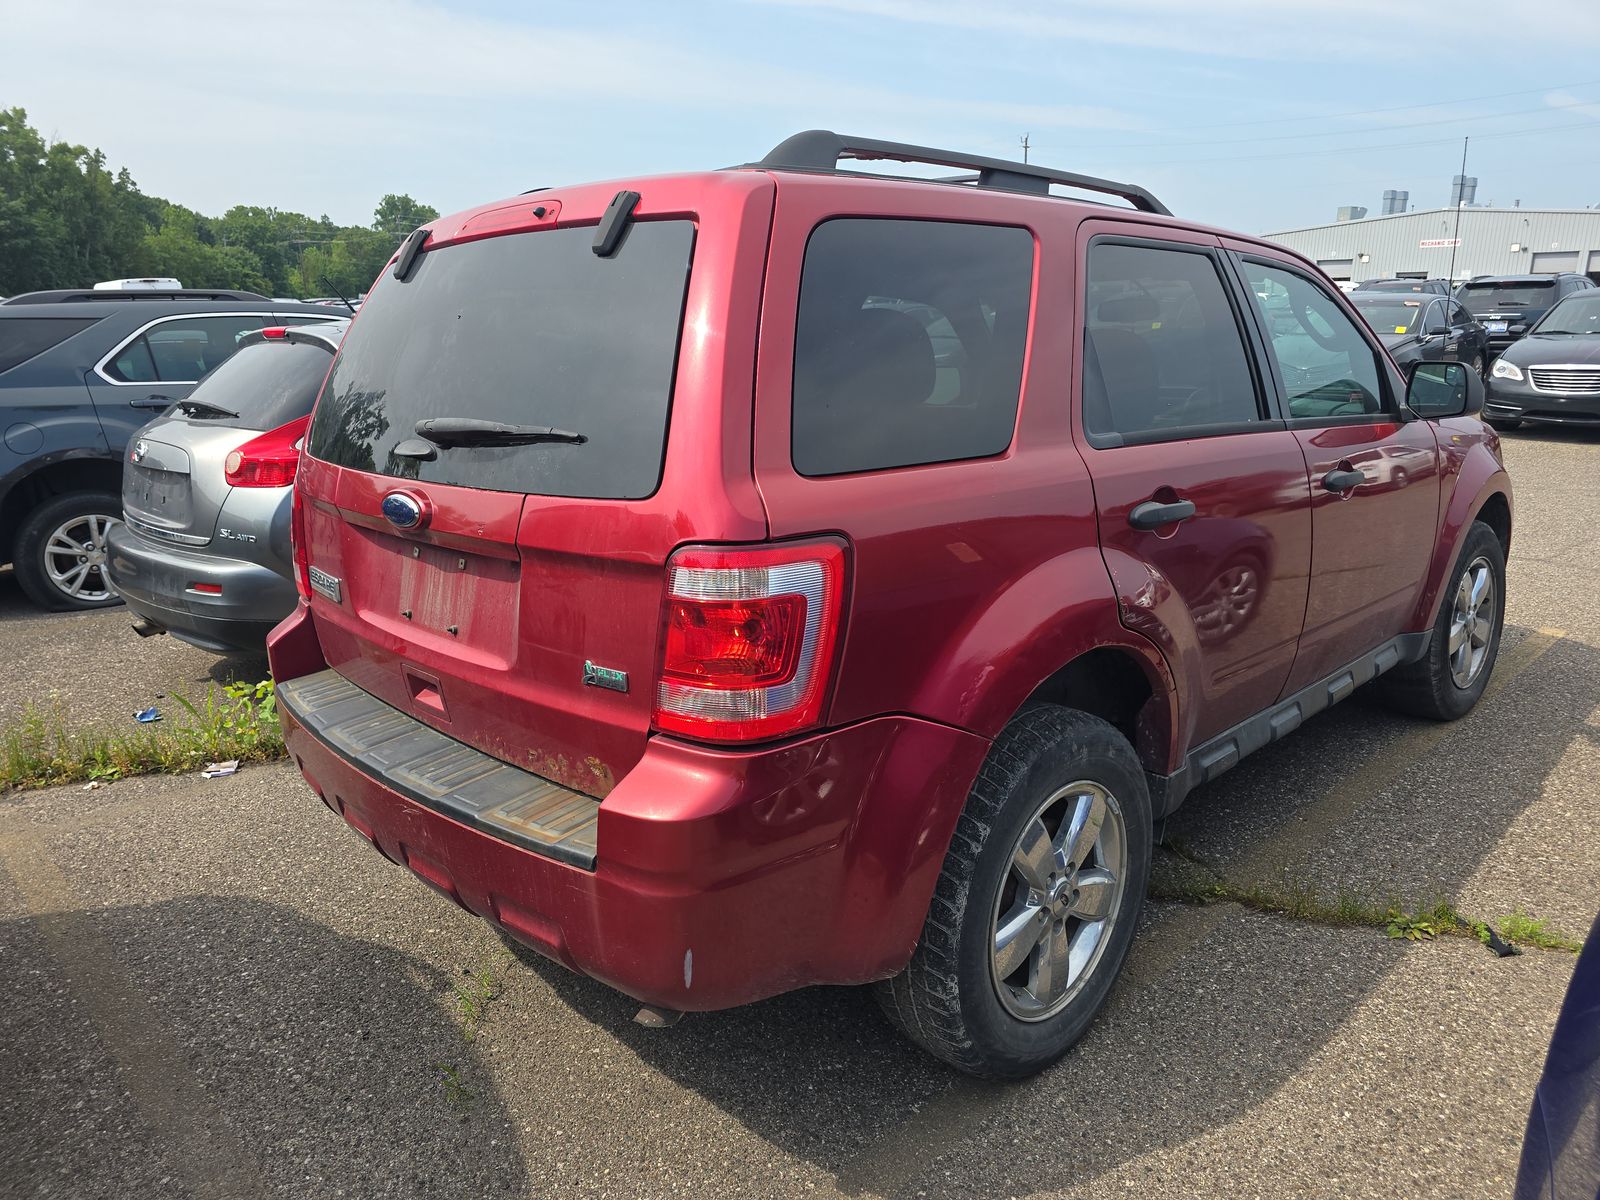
(1441,389)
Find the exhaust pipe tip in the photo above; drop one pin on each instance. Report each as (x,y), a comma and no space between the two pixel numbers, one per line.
(145,627)
(652,1017)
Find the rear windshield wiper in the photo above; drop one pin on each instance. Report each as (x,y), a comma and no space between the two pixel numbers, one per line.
(470,431)
(203,408)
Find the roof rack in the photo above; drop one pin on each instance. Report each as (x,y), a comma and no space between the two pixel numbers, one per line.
(90,296)
(821,150)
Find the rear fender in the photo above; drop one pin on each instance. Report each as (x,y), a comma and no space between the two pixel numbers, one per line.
(1046,619)
(1477,475)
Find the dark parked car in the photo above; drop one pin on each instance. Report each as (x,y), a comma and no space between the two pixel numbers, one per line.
(203,549)
(1509,305)
(79,372)
(1432,287)
(1553,374)
(677,596)
(1424,328)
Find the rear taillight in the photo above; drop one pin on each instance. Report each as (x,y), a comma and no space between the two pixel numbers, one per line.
(276,333)
(749,639)
(297,543)
(269,460)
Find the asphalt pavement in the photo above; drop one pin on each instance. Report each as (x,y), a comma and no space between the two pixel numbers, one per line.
(215,988)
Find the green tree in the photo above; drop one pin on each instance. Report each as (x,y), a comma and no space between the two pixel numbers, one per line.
(66,220)
(399,215)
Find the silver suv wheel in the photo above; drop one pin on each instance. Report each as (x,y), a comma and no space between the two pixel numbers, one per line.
(1058,900)
(1472,622)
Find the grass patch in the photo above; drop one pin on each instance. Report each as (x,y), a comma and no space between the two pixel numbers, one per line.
(477,992)
(1301,902)
(1535,931)
(239,721)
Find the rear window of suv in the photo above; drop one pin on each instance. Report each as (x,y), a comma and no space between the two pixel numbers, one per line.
(1486,297)
(909,343)
(525,329)
(268,384)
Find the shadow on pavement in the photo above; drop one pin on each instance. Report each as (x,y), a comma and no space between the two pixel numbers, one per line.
(1216,1011)
(319,1054)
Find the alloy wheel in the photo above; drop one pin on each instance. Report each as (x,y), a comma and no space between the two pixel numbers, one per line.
(75,557)
(1472,622)
(1061,895)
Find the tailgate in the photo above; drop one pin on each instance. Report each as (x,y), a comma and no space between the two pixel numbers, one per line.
(509,593)
(173,484)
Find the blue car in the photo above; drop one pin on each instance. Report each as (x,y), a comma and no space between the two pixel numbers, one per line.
(1561,1150)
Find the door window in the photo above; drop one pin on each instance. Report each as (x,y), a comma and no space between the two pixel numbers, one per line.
(180,351)
(1163,353)
(1328,368)
(908,344)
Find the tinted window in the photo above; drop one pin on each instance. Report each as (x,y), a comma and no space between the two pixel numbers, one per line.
(526,329)
(1328,368)
(180,351)
(268,384)
(21,338)
(1162,348)
(1486,297)
(908,345)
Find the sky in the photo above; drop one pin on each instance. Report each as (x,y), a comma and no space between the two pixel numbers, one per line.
(1256,115)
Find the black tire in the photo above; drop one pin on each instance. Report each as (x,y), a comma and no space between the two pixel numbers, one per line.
(947,999)
(1477,364)
(29,552)
(1430,687)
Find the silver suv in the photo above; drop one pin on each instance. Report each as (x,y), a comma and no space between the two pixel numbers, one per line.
(203,552)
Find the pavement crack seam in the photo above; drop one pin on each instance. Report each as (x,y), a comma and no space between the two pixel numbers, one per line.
(204,1153)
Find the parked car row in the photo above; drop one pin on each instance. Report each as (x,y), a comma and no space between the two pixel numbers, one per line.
(80,371)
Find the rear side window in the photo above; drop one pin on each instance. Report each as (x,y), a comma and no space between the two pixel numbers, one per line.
(526,329)
(1163,354)
(22,338)
(180,351)
(267,384)
(908,344)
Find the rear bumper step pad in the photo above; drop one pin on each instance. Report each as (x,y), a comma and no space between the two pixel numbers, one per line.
(443,774)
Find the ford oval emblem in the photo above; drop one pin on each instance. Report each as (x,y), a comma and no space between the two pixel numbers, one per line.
(404,511)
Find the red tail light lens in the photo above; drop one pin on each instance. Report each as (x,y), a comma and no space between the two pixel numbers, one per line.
(749,640)
(297,544)
(269,460)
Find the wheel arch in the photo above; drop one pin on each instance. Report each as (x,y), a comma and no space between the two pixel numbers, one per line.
(1482,492)
(49,476)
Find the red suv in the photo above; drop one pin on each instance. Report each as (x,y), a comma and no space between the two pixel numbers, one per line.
(731,582)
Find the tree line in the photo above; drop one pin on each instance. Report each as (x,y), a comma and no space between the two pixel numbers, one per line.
(68,221)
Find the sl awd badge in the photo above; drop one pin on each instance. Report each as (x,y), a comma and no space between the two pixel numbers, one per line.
(604,677)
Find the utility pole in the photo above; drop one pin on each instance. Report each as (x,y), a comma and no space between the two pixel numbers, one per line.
(1024,147)
(1460,200)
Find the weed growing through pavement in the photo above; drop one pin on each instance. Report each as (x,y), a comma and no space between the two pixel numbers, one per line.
(239,721)
(1531,931)
(475,995)
(455,1089)
(1302,902)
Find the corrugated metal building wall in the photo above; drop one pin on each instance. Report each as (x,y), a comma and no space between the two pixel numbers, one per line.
(1494,241)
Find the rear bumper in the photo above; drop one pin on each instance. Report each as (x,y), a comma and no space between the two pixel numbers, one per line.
(718,877)
(157,582)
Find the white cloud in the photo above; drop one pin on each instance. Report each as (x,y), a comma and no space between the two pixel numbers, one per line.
(1324,31)
(229,104)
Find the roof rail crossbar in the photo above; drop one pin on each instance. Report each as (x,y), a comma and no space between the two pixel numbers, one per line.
(91,296)
(821,150)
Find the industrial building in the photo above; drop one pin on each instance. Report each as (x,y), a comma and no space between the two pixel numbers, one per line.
(1490,241)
